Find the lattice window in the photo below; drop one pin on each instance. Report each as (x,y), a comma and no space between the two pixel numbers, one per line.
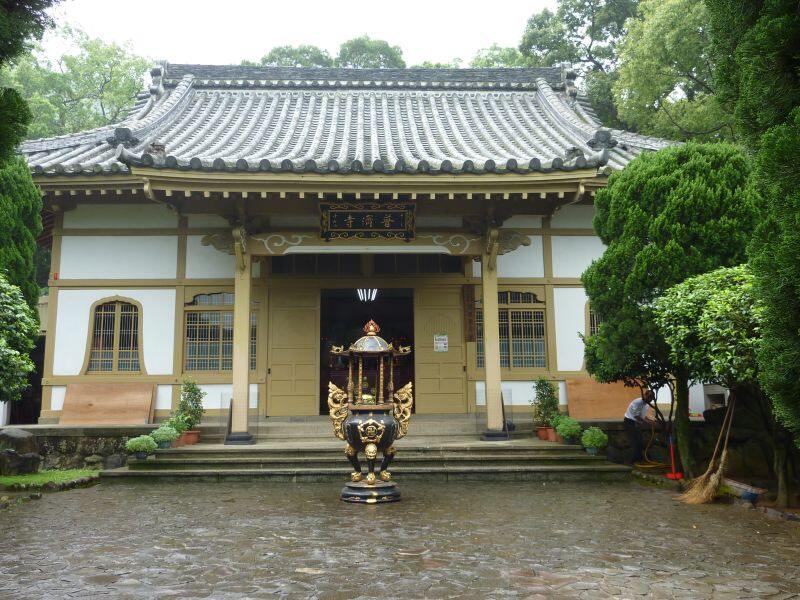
(594,322)
(522,332)
(208,334)
(115,339)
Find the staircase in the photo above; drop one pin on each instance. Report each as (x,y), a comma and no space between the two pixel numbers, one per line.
(440,448)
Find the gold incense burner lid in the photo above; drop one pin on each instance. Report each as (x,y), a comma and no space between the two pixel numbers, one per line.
(371,342)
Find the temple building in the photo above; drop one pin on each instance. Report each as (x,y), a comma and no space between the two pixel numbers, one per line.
(242,220)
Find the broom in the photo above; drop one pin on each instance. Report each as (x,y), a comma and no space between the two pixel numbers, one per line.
(703,489)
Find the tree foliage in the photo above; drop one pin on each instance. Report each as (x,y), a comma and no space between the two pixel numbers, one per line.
(95,84)
(665,77)
(498,56)
(712,324)
(667,216)
(304,55)
(20,224)
(365,53)
(774,257)
(585,33)
(20,22)
(756,44)
(18,332)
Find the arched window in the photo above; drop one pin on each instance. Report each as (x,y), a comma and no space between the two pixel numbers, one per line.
(114,345)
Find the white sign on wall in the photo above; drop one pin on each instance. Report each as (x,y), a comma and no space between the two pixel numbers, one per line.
(440,342)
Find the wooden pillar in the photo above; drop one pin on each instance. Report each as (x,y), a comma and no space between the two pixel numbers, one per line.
(491,349)
(239,433)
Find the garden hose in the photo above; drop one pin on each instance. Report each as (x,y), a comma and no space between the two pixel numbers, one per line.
(647,463)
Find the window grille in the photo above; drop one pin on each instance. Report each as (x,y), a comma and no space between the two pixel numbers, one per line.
(208,334)
(594,322)
(115,339)
(522,332)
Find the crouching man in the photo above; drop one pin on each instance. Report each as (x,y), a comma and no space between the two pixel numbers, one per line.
(635,416)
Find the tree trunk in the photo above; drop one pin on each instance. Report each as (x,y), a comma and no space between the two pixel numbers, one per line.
(781,468)
(683,426)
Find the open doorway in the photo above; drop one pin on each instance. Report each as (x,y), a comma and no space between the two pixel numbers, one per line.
(343,315)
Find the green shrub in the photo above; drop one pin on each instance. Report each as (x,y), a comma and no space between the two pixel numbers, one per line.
(165,433)
(178,422)
(143,443)
(567,427)
(545,403)
(594,437)
(191,404)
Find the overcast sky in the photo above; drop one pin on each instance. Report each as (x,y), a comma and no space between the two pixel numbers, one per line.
(227,31)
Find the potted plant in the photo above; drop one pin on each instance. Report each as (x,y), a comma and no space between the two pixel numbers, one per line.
(164,435)
(594,439)
(141,446)
(191,408)
(546,409)
(178,422)
(568,429)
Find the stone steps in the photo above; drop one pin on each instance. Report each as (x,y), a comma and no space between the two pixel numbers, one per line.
(594,472)
(331,460)
(419,458)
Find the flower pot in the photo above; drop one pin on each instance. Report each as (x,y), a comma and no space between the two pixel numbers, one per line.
(559,439)
(570,441)
(551,434)
(140,455)
(591,451)
(190,437)
(541,433)
(164,444)
(177,442)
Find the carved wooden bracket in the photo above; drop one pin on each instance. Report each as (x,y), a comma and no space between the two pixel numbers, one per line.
(240,247)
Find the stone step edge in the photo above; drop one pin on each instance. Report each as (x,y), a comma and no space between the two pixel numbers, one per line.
(337,459)
(610,468)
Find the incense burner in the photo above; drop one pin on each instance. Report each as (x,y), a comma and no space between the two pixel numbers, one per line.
(370,415)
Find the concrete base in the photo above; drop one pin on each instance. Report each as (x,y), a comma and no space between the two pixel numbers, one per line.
(241,438)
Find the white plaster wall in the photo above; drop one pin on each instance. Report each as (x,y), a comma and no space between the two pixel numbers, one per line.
(198,221)
(157,328)
(573,253)
(206,262)
(57,394)
(525,261)
(516,393)
(219,395)
(119,257)
(163,397)
(573,217)
(569,305)
(697,397)
(5,413)
(120,216)
(523,221)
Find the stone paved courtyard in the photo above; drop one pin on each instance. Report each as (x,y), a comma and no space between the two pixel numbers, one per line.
(482,540)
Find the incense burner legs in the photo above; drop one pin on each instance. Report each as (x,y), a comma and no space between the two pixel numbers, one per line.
(370,430)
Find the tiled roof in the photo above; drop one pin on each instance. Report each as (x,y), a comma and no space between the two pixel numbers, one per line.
(209,117)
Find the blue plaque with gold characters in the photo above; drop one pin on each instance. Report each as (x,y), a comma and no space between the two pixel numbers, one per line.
(367,221)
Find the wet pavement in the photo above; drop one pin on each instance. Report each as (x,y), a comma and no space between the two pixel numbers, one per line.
(479,540)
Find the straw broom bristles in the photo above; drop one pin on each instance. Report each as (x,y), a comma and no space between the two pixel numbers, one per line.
(703,489)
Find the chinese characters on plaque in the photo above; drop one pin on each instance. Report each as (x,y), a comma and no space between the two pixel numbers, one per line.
(367,221)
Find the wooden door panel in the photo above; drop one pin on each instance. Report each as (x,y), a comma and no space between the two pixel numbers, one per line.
(440,377)
(293,377)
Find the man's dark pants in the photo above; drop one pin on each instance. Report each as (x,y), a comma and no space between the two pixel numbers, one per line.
(635,439)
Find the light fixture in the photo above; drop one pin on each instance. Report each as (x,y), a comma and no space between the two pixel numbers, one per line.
(367,295)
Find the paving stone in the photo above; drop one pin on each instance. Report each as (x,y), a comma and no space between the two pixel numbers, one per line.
(446,540)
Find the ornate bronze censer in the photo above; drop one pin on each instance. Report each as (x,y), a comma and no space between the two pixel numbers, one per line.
(370,415)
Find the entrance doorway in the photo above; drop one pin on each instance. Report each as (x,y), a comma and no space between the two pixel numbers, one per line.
(343,314)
